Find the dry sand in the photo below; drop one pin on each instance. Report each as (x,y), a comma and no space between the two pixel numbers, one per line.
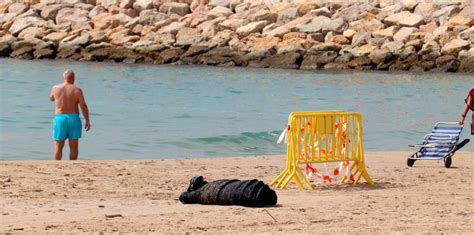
(48,196)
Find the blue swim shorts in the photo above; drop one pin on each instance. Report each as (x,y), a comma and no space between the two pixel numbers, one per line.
(67,126)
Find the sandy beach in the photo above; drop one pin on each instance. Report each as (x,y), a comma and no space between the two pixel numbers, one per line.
(142,197)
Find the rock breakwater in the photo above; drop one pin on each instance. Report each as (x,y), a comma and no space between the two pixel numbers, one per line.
(305,34)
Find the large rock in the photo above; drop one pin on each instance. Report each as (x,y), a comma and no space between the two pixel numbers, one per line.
(55,37)
(175,7)
(49,12)
(453,47)
(172,28)
(5,44)
(366,25)
(188,36)
(287,15)
(278,32)
(447,63)
(219,3)
(380,56)
(388,32)
(320,12)
(405,18)
(108,3)
(316,25)
(22,23)
(31,32)
(232,24)
(264,15)
(467,65)
(76,16)
(220,12)
(461,20)
(150,17)
(254,27)
(318,60)
(284,61)
(404,33)
(141,5)
(18,8)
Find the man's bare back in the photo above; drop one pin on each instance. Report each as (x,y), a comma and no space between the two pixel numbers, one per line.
(67,124)
(66,96)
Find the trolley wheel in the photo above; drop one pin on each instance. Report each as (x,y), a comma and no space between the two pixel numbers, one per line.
(410,162)
(447,162)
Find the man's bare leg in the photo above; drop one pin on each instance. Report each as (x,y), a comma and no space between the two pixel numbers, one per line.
(74,149)
(58,149)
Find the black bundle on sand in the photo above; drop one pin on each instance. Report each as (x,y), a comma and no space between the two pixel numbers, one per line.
(251,193)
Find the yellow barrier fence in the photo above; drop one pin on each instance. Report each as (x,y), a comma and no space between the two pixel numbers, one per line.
(323,137)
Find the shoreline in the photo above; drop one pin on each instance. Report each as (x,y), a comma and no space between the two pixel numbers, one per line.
(305,34)
(84,196)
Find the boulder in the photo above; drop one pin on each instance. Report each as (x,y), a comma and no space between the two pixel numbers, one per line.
(49,12)
(172,28)
(219,3)
(352,12)
(409,4)
(336,26)
(254,27)
(425,8)
(126,4)
(264,15)
(318,60)
(175,7)
(18,8)
(232,24)
(447,63)
(120,38)
(283,61)
(98,36)
(467,65)
(443,14)
(287,15)
(107,3)
(31,32)
(320,12)
(366,25)
(219,12)
(195,50)
(360,38)
(316,25)
(278,32)
(55,37)
(467,34)
(327,46)
(96,11)
(349,33)
(453,47)
(151,17)
(76,16)
(21,23)
(404,33)
(121,19)
(460,20)
(385,33)
(141,5)
(364,50)
(405,18)
(188,36)
(379,56)
(306,6)
(222,38)
(5,44)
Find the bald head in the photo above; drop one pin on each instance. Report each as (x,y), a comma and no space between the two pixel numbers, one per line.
(69,76)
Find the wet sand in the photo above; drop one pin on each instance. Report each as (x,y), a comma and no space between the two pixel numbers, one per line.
(142,196)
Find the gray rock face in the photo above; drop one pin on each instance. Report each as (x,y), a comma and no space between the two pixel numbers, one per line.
(405,18)
(75,16)
(316,25)
(141,5)
(49,12)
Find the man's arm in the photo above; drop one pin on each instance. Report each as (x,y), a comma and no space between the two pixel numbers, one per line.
(85,110)
(51,95)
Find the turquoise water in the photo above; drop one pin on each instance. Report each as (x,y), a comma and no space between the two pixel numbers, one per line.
(150,111)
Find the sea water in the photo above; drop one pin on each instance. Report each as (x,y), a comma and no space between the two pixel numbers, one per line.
(154,112)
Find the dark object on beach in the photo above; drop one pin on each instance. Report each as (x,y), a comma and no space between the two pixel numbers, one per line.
(251,193)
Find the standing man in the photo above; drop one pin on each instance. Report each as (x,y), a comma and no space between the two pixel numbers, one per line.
(67,124)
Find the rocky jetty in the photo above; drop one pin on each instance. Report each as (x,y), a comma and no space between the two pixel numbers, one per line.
(306,34)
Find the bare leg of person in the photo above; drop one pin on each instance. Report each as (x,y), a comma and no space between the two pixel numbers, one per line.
(74,149)
(58,149)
